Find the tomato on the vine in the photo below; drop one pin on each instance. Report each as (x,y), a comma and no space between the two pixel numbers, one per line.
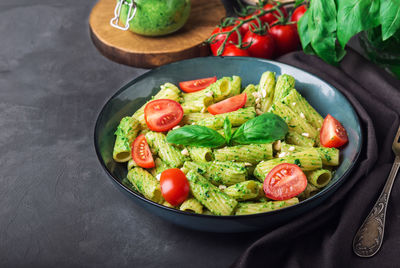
(232,50)
(298,13)
(286,38)
(272,16)
(246,26)
(219,39)
(261,45)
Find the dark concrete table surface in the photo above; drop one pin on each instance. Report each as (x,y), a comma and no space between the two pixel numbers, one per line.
(57,206)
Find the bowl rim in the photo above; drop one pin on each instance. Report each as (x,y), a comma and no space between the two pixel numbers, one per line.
(319,195)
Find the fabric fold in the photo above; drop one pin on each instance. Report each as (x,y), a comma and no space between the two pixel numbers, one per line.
(323,237)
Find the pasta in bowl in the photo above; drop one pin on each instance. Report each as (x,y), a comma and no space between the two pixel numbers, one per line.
(227,154)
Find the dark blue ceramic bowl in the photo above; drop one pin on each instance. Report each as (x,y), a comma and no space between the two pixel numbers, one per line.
(325,98)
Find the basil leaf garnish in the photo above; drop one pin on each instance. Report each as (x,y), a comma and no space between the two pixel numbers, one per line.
(227,130)
(264,128)
(194,135)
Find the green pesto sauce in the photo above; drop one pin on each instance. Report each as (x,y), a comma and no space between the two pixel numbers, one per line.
(155,17)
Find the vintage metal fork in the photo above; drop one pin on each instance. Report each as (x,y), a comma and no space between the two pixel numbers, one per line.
(368,239)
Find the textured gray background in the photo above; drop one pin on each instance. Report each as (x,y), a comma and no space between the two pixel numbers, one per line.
(57,206)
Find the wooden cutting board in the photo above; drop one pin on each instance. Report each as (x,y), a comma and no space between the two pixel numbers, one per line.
(147,52)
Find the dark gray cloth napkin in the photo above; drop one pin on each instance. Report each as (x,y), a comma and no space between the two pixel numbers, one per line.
(323,237)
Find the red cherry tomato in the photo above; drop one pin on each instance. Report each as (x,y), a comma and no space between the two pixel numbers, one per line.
(174,186)
(272,16)
(286,38)
(163,114)
(196,85)
(262,46)
(298,13)
(246,26)
(219,39)
(229,105)
(141,153)
(284,182)
(232,50)
(332,134)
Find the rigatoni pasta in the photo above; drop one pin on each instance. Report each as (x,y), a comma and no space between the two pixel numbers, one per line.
(219,173)
(146,184)
(294,121)
(260,207)
(126,133)
(192,205)
(243,190)
(237,118)
(252,153)
(301,106)
(168,153)
(266,90)
(209,195)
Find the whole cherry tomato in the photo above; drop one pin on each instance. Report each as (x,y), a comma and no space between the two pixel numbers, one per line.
(272,16)
(174,186)
(298,13)
(246,26)
(262,46)
(219,39)
(286,38)
(232,50)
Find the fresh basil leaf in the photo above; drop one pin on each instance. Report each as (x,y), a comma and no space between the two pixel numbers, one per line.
(196,136)
(354,16)
(389,17)
(227,130)
(264,128)
(302,26)
(322,28)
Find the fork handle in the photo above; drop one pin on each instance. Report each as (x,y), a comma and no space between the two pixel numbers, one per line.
(369,237)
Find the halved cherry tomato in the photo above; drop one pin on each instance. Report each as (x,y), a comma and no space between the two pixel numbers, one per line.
(332,134)
(219,39)
(174,186)
(284,182)
(232,50)
(141,153)
(196,85)
(229,105)
(272,16)
(163,114)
